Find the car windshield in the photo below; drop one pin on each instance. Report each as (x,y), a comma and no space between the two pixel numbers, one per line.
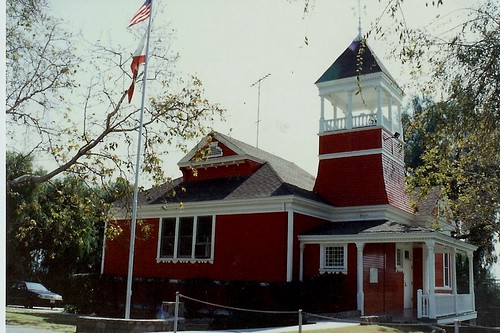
(35,286)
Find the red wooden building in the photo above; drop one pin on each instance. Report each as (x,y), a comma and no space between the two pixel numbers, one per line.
(247,215)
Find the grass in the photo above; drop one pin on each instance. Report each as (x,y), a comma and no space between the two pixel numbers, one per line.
(62,322)
(45,319)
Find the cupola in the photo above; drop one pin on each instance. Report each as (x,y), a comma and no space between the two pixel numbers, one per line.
(360,137)
(361,92)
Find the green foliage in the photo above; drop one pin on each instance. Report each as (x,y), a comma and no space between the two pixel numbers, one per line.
(55,228)
(454,142)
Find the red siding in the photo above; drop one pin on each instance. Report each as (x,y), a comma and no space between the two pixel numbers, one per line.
(350,141)
(395,184)
(349,288)
(311,260)
(302,223)
(386,296)
(439,269)
(248,247)
(417,273)
(360,180)
(352,181)
(245,168)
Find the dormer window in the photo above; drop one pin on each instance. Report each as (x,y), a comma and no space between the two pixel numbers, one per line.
(214,150)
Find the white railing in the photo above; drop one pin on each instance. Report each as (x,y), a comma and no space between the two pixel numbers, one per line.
(362,120)
(334,124)
(444,304)
(422,305)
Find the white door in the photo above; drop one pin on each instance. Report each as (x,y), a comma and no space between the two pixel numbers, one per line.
(408,276)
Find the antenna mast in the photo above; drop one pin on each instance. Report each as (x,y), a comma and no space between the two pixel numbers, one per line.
(257,83)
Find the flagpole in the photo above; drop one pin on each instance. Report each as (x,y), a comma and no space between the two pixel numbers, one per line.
(136,184)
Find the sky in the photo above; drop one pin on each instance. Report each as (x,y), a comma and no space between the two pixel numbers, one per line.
(231,44)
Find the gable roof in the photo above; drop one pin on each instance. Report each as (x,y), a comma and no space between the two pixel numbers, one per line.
(264,183)
(275,177)
(287,171)
(357,59)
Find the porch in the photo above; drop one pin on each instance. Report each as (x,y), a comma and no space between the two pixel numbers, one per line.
(444,307)
(411,269)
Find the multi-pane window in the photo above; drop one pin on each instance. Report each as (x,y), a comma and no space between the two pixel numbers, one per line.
(187,237)
(446,269)
(333,258)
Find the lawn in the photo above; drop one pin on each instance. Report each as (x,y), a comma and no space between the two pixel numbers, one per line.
(47,319)
(62,322)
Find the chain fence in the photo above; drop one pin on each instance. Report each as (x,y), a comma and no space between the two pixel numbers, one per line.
(301,315)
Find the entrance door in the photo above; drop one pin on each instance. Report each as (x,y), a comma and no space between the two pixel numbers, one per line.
(408,276)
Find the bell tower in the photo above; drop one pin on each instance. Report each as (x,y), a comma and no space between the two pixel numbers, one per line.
(360,133)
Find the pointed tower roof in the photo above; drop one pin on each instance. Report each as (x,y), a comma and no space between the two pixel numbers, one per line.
(357,59)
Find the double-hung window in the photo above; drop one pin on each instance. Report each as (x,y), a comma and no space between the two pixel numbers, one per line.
(333,258)
(446,270)
(186,238)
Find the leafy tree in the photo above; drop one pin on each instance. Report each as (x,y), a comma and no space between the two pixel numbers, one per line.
(457,137)
(17,257)
(80,120)
(55,228)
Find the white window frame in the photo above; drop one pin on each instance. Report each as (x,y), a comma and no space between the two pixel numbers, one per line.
(323,268)
(399,258)
(446,270)
(175,257)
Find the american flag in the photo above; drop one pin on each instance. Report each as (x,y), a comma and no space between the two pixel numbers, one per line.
(142,14)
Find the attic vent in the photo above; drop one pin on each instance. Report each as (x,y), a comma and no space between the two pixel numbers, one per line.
(214,150)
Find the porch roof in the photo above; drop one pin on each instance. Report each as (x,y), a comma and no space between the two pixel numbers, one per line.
(365,227)
(379,231)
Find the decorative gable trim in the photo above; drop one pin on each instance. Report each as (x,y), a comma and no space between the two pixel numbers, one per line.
(216,158)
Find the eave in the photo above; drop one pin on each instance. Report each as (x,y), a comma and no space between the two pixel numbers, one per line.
(228,207)
(399,237)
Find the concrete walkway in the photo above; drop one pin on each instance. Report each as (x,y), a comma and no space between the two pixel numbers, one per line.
(288,329)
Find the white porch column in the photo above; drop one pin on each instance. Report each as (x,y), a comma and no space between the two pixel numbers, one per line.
(453,266)
(471,280)
(379,106)
(431,275)
(349,110)
(391,116)
(425,273)
(359,278)
(301,262)
(398,121)
(322,116)
(289,247)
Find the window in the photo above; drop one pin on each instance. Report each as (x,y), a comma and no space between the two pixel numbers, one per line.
(333,258)
(187,237)
(446,269)
(399,259)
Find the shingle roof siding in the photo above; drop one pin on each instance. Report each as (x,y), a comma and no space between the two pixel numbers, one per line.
(263,183)
(353,62)
(287,171)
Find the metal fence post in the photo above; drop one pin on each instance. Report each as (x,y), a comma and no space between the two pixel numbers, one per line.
(300,321)
(455,322)
(176,311)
